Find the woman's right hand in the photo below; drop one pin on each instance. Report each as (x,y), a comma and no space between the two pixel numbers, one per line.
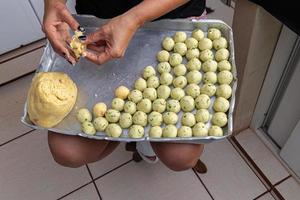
(56,23)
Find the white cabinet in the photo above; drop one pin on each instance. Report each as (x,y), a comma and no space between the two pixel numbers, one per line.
(18,25)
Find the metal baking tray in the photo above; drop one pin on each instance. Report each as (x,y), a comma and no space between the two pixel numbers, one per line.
(97,83)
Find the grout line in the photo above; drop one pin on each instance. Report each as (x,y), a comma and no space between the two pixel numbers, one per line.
(11,140)
(282,180)
(97,190)
(17,78)
(276,193)
(113,169)
(203,184)
(74,190)
(266,192)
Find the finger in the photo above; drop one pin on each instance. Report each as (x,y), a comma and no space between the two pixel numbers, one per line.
(68,18)
(96,48)
(95,37)
(97,58)
(56,43)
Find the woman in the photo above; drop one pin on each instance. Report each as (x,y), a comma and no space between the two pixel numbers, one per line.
(108,42)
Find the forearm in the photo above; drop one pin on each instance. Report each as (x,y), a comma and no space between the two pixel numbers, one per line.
(50,3)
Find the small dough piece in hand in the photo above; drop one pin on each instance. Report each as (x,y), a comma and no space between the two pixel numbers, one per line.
(215,131)
(184,131)
(144,105)
(173,105)
(209,66)
(153,82)
(84,115)
(202,115)
(175,59)
(113,130)
(224,90)
(187,103)
(125,120)
(140,84)
(170,131)
(117,104)
(88,128)
(130,107)
(166,78)
(163,92)
(155,118)
(193,64)
(208,89)
(159,105)
(140,118)
(122,92)
(99,109)
(155,132)
(224,65)
(77,46)
(204,43)
(180,82)
(163,67)
(168,43)
(188,119)
(177,93)
(206,55)
(202,101)
(219,119)
(179,70)
(221,105)
(194,77)
(225,77)
(192,53)
(163,56)
(135,96)
(191,43)
(100,123)
(221,54)
(220,43)
(136,131)
(192,90)
(150,93)
(180,48)
(180,36)
(210,77)
(198,34)
(213,33)
(148,72)
(112,115)
(170,118)
(200,130)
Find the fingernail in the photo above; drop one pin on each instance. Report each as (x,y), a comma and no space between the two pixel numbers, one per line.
(70,62)
(82,37)
(81,29)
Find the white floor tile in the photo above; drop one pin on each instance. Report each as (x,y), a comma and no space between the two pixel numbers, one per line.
(267,196)
(289,189)
(28,171)
(86,193)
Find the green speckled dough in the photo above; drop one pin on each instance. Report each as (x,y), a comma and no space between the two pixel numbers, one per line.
(192,53)
(175,59)
(204,43)
(225,77)
(84,115)
(163,67)
(100,123)
(200,130)
(180,36)
(136,131)
(220,43)
(192,90)
(180,81)
(202,101)
(173,105)
(188,119)
(209,66)
(191,43)
(198,34)
(148,71)
(202,115)
(150,93)
(210,77)
(221,54)
(179,70)
(144,105)
(88,128)
(159,105)
(187,104)
(117,104)
(184,131)
(206,55)
(163,56)
(224,65)
(193,64)
(219,119)
(125,120)
(180,48)
(140,118)
(221,104)
(194,77)
(113,130)
(208,89)
(155,132)
(153,82)
(140,84)
(170,118)
(168,43)
(130,107)
(155,118)
(224,90)
(213,33)
(166,78)
(163,91)
(112,115)
(170,131)
(135,96)
(215,131)
(178,93)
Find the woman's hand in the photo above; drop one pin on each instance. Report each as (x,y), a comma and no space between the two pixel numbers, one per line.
(111,40)
(56,23)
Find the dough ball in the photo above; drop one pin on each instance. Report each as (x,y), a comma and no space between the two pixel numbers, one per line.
(155,118)
(175,59)
(193,64)
(153,82)
(170,118)
(140,84)
(213,33)
(202,115)
(136,131)
(163,67)
(187,104)
(206,55)
(84,115)
(100,123)
(202,101)
(179,70)
(173,105)
(215,131)
(198,34)
(210,77)
(180,48)
(163,56)
(225,77)
(185,131)
(163,91)
(170,131)
(200,130)
(192,53)
(88,128)
(135,96)
(148,72)
(194,77)
(76,45)
(140,118)
(224,65)
(155,132)
(177,93)
(99,109)
(113,130)
(224,90)
(112,115)
(166,78)
(150,93)
(209,66)
(221,104)
(221,54)
(191,43)
(51,97)
(180,82)
(159,105)
(168,43)
(188,119)
(117,104)
(180,36)
(204,43)
(130,107)
(220,43)
(144,105)
(125,120)
(208,89)
(192,90)
(122,92)
(219,119)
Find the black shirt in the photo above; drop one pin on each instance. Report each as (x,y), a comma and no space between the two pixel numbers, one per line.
(111,8)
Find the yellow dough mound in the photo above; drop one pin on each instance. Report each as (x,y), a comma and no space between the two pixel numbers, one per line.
(51,97)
